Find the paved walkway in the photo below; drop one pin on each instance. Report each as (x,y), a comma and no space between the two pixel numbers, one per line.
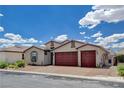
(73,70)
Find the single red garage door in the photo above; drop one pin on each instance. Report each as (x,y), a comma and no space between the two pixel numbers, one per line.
(88,58)
(66,58)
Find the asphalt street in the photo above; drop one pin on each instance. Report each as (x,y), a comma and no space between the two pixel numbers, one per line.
(22,80)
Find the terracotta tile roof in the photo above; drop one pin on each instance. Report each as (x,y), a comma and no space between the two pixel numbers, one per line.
(14,49)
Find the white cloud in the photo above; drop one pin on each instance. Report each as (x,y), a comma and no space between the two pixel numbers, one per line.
(13,39)
(27,45)
(109,40)
(61,38)
(31,40)
(102,13)
(81,40)
(1,14)
(40,41)
(98,39)
(1,29)
(3,40)
(86,37)
(82,33)
(16,38)
(6,45)
(118,45)
(43,46)
(98,34)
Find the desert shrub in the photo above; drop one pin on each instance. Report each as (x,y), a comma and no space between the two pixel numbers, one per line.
(20,63)
(12,66)
(120,58)
(120,69)
(3,64)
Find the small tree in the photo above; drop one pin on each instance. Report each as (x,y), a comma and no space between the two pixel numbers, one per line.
(120,58)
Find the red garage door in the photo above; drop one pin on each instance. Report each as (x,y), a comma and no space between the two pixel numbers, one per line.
(88,58)
(66,59)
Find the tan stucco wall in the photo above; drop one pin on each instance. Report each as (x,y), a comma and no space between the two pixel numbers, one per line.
(66,48)
(40,60)
(99,53)
(48,45)
(47,59)
(11,57)
(2,56)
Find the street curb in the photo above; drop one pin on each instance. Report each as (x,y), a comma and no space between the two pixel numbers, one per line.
(108,79)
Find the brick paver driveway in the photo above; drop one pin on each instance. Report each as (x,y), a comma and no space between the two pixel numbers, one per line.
(72,70)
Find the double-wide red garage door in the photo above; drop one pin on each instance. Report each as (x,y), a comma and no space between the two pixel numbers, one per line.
(66,58)
(88,58)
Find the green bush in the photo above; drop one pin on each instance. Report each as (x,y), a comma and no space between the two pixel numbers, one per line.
(20,63)
(120,69)
(120,58)
(3,64)
(12,66)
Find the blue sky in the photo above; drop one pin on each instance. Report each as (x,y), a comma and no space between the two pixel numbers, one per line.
(43,23)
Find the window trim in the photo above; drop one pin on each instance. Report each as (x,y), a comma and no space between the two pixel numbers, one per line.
(36,56)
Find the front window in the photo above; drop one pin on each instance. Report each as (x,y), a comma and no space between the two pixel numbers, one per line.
(34,56)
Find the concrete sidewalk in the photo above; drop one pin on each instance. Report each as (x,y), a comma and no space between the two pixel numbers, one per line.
(101,78)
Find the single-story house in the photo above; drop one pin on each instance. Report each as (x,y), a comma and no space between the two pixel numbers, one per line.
(75,53)
(12,54)
(68,53)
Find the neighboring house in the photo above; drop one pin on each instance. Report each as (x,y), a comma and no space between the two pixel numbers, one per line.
(37,56)
(120,52)
(112,57)
(75,53)
(12,54)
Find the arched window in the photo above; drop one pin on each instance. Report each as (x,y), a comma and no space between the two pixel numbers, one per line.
(34,56)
